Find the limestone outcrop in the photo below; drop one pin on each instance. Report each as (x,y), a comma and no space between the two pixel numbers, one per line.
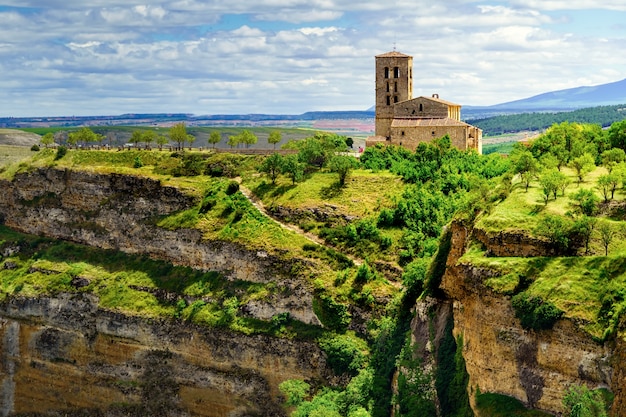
(535,367)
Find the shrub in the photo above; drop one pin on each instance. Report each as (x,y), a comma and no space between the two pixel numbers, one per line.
(61,151)
(332,314)
(137,163)
(232,188)
(364,274)
(344,354)
(35,148)
(295,391)
(535,313)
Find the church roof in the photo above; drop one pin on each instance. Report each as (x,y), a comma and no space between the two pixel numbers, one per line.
(393,54)
(426,122)
(438,100)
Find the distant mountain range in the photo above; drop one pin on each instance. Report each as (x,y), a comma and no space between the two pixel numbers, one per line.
(555,101)
(561,100)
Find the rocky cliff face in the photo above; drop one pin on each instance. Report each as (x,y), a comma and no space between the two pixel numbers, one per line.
(535,367)
(117,212)
(64,354)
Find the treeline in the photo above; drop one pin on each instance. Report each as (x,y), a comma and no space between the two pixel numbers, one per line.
(498,125)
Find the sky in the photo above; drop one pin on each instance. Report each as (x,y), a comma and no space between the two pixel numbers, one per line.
(111,57)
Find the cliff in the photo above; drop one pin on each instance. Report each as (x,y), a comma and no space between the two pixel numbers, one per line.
(63,352)
(534,366)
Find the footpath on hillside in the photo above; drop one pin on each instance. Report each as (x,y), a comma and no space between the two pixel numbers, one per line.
(256,202)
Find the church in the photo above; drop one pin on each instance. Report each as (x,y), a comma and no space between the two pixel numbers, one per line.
(407,121)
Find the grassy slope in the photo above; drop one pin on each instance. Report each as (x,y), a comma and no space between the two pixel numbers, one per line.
(577,285)
(230,218)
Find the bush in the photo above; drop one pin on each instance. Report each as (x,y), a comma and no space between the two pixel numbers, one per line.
(344,354)
(332,314)
(295,391)
(61,151)
(535,313)
(35,148)
(232,188)
(137,163)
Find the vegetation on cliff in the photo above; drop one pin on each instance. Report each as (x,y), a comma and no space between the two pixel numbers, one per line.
(368,245)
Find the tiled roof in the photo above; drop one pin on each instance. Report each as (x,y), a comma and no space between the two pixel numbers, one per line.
(393,54)
(427,122)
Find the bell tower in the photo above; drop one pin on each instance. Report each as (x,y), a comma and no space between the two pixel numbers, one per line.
(394,83)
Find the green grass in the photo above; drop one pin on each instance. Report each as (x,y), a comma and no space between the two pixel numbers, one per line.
(136,285)
(13,154)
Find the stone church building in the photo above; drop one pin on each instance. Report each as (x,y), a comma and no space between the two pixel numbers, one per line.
(407,121)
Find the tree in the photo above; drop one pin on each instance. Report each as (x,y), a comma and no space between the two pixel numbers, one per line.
(342,165)
(607,233)
(178,134)
(585,202)
(233,141)
(136,138)
(583,165)
(148,137)
(162,140)
(549,182)
(274,138)
(190,139)
(583,229)
(525,164)
(47,139)
(556,229)
(272,166)
(248,138)
(612,157)
(608,184)
(214,138)
(617,134)
(293,168)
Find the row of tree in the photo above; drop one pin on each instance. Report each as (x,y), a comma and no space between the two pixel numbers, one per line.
(177,134)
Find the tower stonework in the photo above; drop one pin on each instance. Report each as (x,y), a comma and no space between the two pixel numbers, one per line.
(394,84)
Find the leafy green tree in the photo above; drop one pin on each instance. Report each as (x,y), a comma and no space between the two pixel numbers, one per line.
(214,138)
(84,135)
(190,139)
(295,391)
(549,183)
(234,141)
(162,140)
(617,135)
(272,166)
(275,137)
(47,139)
(178,134)
(293,168)
(607,234)
(583,229)
(248,138)
(149,136)
(585,202)
(524,164)
(556,229)
(608,184)
(549,161)
(342,165)
(583,165)
(579,401)
(136,138)
(612,157)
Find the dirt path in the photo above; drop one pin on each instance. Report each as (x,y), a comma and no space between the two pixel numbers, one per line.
(307,235)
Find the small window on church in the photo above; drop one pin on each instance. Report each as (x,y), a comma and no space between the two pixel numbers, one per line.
(396,72)
(433,133)
(388,100)
(395,99)
(402,133)
(387,87)
(386,72)
(395,86)
(421,107)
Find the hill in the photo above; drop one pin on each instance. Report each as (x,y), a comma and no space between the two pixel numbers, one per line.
(18,138)
(560,100)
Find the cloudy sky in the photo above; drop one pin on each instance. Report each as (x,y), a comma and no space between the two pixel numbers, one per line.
(108,57)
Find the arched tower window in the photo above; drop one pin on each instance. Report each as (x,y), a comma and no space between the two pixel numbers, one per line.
(395,99)
(421,107)
(395,86)
(396,72)
(388,100)
(386,72)
(387,86)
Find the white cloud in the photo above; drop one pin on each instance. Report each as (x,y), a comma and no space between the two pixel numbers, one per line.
(287,56)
